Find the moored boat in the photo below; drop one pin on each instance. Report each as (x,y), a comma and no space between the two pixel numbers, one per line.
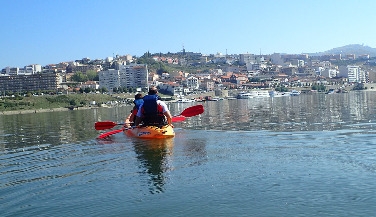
(330,91)
(243,95)
(253,94)
(260,93)
(278,94)
(295,93)
(150,132)
(214,99)
(184,100)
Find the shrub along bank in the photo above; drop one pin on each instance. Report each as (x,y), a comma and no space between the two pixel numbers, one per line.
(18,103)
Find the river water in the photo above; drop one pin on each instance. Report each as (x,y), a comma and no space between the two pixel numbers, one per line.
(307,155)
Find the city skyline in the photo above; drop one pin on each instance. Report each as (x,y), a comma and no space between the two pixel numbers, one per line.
(44,32)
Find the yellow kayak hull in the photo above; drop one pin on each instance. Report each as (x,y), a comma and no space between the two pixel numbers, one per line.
(151,132)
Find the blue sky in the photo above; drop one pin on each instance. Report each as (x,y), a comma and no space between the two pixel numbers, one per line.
(44,31)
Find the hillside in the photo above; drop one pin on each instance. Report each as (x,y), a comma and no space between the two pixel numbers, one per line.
(356,49)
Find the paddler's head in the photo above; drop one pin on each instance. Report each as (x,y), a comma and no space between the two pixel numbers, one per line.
(153,90)
(138,96)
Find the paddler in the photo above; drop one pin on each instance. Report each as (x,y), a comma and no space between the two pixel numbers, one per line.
(130,120)
(153,111)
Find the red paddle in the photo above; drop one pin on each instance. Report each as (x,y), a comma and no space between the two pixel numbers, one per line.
(104,125)
(104,135)
(188,112)
(192,111)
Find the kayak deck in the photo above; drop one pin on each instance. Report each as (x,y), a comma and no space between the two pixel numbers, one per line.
(151,132)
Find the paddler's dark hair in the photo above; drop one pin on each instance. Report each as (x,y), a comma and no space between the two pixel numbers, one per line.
(153,90)
(138,96)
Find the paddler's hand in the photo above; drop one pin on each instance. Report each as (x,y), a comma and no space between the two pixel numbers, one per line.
(171,125)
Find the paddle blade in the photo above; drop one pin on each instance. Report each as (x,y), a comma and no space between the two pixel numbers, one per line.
(103,125)
(178,118)
(104,135)
(193,111)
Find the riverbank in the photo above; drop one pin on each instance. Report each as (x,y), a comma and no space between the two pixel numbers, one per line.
(15,112)
(50,103)
(38,104)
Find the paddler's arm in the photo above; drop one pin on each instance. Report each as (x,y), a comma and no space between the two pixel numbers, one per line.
(166,113)
(169,118)
(127,120)
(138,119)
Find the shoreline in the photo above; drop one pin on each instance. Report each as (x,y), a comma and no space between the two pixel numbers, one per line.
(29,111)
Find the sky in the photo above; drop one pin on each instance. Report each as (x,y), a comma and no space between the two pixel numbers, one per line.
(48,32)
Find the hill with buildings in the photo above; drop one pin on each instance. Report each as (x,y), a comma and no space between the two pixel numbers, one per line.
(357,49)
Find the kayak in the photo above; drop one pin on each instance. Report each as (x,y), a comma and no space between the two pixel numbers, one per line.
(150,132)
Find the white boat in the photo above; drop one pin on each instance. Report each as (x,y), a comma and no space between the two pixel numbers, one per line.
(184,100)
(278,94)
(253,94)
(294,93)
(260,93)
(216,98)
(243,95)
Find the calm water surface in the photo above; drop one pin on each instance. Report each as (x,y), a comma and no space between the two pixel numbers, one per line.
(310,155)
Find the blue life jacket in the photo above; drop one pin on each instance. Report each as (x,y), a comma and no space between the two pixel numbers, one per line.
(152,113)
(138,103)
(136,107)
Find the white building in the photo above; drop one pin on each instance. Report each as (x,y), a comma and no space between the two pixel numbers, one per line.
(276,59)
(247,58)
(133,75)
(353,73)
(90,84)
(192,83)
(36,68)
(330,73)
(109,79)
(173,88)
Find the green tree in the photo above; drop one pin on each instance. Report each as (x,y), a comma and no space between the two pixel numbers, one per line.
(79,77)
(87,90)
(92,75)
(73,102)
(103,90)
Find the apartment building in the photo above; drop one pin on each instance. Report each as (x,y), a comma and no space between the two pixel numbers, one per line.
(192,83)
(353,73)
(247,58)
(30,82)
(330,73)
(109,79)
(133,75)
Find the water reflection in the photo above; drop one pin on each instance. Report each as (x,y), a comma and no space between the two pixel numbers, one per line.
(53,128)
(155,158)
(302,113)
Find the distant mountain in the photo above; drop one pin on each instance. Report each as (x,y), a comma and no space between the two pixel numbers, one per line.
(356,49)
